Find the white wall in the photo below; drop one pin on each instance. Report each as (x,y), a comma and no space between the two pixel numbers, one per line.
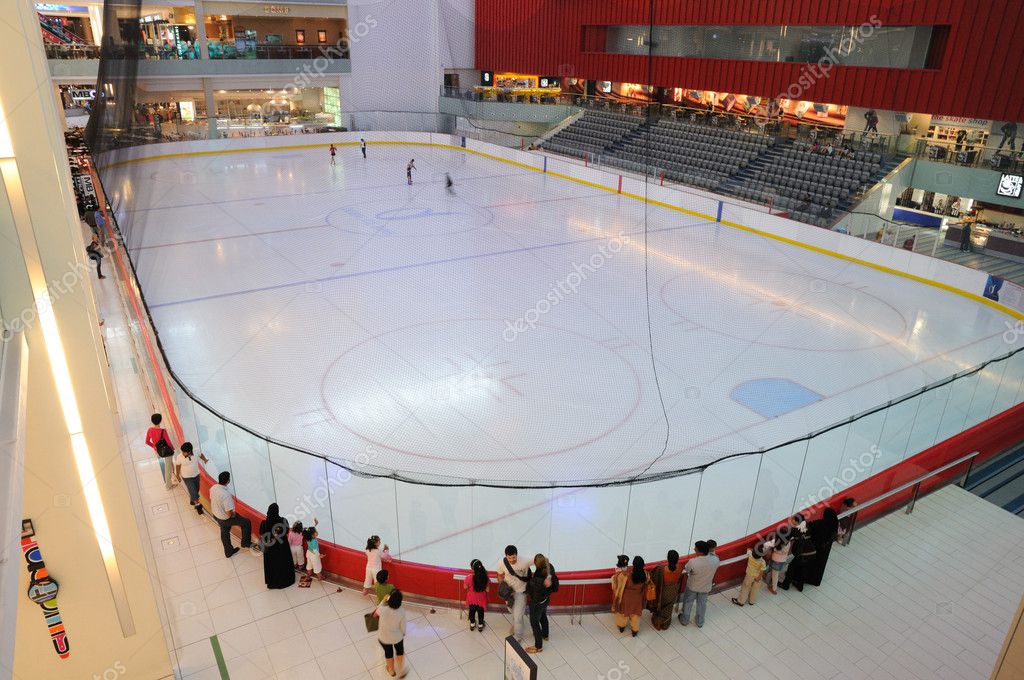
(399,51)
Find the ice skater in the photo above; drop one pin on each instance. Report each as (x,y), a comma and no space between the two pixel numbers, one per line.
(408,170)
(334,152)
(362,146)
(448,184)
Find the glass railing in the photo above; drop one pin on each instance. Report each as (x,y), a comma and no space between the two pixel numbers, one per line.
(1007,157)
(230,51)
(72,51)
(421,515)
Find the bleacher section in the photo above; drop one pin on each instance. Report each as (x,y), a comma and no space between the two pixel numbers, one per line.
(592,134)
(689,153)
(810,186)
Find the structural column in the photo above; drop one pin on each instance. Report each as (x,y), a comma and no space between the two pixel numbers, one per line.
(204,43)
(211,108)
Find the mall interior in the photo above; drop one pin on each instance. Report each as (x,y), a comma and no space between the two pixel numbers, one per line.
(883,139)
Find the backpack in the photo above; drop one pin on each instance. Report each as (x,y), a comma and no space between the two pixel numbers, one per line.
(163,449)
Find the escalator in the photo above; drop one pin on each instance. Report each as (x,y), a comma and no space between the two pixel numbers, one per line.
(1000,480)
(54,33)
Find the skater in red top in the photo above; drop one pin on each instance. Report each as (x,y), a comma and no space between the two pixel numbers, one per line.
(334,151)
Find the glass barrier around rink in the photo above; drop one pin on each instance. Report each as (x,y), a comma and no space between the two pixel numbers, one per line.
(450,522)
(447,522)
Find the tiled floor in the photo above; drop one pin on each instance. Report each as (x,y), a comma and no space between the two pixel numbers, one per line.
(924,596)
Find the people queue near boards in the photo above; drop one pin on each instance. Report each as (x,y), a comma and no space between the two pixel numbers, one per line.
(793,556)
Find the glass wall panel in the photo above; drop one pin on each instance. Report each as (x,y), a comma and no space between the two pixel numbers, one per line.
(593,522)
(302,489)
(776,485)
(866,45)
(862,448)
(186,414)
(723,504)
(210,431)
(926,423)
(435,523)
(661,517)
(961,393)
(519,517)
(1008,394)
(822,467)
(984,397)
(892,444)
(251,472)
(362,507)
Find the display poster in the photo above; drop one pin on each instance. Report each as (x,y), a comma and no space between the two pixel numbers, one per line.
(187,110)
(518,664)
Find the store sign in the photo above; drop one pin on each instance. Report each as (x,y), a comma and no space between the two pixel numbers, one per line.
(83,183)
(276,9)
(957,121)
(48,7)
(82,95)
(187,110)
(1010,186)
(42,589)
(152,19)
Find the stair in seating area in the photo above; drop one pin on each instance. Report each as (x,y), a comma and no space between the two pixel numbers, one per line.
(1000,480)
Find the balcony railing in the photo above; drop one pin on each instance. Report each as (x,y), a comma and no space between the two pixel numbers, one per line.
(230,51)
(72,51)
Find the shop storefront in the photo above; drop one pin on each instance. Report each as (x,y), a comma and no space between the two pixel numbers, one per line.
(292,31)
(518,87)
(161,32)
(175,116)
(994,230)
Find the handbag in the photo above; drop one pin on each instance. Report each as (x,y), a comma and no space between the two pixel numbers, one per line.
(505,592)
(651,591)
(372,622)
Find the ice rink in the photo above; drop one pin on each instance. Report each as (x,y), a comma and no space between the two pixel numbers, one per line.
(501,332)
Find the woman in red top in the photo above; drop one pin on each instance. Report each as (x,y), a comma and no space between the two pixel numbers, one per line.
(154,435)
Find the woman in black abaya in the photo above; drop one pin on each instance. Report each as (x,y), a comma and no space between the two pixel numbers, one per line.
(823,533)
(278,571)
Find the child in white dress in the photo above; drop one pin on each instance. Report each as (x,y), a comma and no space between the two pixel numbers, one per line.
(376,556)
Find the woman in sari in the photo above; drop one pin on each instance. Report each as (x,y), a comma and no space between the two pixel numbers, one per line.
(667,580)
(278,571)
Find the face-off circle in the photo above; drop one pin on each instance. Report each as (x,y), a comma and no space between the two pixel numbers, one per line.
(787,310)
(456,391)
(416,219)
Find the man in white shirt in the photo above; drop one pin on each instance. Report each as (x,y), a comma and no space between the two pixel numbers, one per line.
(516,573)
(222,505)
(186,468)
